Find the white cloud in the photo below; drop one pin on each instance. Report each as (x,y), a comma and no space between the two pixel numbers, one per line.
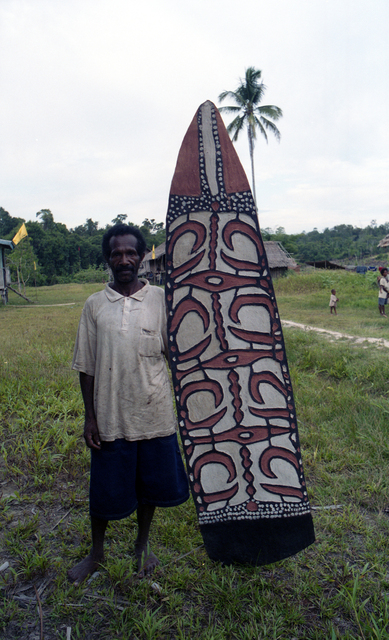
(96,96)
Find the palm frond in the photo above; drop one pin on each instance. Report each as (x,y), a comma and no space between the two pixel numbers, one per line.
(254,90)
(259,125)
(252,75)
(234,95)
(236,127)
(270,126)
(275,113)
(258,94)
(229,109)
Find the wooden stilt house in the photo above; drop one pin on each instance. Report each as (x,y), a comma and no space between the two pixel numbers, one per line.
(5,278)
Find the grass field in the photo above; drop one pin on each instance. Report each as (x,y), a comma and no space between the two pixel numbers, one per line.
(305,298)
(338,588)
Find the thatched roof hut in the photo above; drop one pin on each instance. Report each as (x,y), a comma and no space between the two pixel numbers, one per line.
(159,252)
(384,242)
(154,267)
(5,279)
(278,258)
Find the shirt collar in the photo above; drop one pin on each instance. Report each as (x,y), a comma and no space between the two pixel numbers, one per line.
(114,296)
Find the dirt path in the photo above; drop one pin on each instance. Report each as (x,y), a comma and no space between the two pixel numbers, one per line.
(380,342)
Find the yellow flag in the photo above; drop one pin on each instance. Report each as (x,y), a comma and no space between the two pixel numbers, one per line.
(153,253)
(22,233)
(34,266)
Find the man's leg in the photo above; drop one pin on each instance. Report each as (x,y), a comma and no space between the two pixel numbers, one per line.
(146,559)
(91,563)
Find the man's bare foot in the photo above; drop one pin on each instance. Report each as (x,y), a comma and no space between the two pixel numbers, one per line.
(83,569)
(147,561)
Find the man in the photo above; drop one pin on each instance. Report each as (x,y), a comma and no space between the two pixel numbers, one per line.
(130,425)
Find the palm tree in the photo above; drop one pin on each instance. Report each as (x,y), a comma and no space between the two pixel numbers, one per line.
(247,97)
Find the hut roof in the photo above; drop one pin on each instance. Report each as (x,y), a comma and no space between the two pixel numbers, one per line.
(277,256)
(326,264)
(159,251)
(384,242)
(6,243)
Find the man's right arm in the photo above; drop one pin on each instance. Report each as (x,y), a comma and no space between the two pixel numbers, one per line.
(91,432)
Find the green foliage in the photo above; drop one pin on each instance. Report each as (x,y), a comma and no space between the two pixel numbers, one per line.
(121,218)
(47,219)
(154,232)
(92,274)
(90,228)
(340,361)
(304,298)
(344,243)
(60,253)
(349,284)
(8,224)
(63,255)
(23,264)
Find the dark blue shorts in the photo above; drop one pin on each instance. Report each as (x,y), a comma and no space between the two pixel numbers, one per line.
(125,473)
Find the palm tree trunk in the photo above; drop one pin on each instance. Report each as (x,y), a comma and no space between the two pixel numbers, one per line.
(251,147)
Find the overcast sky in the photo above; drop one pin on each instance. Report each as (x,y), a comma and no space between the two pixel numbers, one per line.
(96,96)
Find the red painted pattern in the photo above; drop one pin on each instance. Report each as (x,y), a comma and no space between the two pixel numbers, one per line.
(244,419)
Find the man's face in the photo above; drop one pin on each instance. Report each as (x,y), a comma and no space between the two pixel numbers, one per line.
(124,259)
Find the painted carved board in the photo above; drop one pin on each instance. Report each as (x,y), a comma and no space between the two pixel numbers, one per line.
(234,396)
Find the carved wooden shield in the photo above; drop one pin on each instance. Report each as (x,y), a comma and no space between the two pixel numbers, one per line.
(234,396)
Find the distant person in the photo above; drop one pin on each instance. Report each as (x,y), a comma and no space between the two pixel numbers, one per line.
(130,426)
(383,291)
(333,301)
(380,276)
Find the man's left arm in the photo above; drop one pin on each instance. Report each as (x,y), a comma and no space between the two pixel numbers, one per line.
(164,334)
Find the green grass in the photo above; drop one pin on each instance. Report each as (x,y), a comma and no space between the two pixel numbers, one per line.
(338,588)
(56,294)
(305,298)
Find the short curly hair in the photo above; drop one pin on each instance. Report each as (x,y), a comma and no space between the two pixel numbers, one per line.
(123,230)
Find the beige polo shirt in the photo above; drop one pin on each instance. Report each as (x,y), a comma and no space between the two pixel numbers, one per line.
(121,342)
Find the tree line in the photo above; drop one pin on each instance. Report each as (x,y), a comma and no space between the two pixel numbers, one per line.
(54,254)
(343,243)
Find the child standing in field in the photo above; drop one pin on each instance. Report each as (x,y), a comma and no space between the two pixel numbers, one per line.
(333,301)
(383,292)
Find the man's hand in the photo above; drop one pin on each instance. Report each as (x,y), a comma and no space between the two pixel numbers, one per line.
(91,431)
(91,434)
